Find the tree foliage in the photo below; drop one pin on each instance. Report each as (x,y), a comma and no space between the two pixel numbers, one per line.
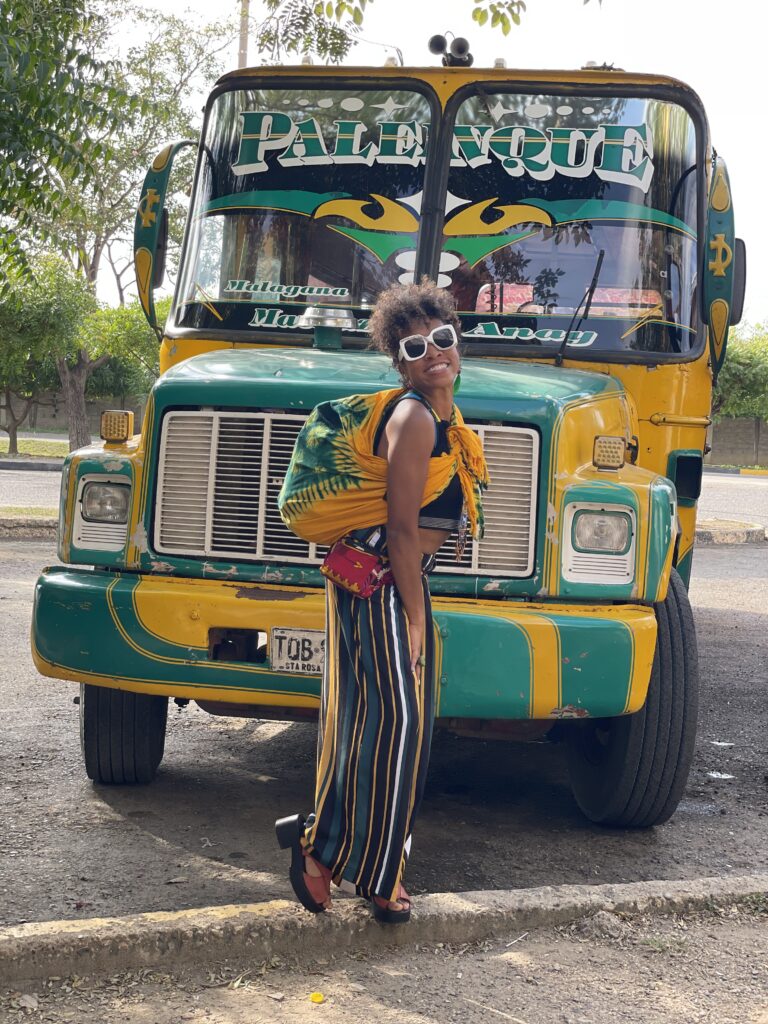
(174,61)
(39,327)
(742,386)
(57,99)
(327,28)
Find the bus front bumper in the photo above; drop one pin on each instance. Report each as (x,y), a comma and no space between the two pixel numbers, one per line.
(496,659)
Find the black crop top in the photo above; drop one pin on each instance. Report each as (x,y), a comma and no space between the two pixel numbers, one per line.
(445,512)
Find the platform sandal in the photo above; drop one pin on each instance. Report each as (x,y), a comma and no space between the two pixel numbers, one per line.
(386,914)
(312,891)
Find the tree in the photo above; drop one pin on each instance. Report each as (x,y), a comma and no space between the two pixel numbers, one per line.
(39,327)
(24,376)
(174,61)
(327,28)
(55,99)
(742,386)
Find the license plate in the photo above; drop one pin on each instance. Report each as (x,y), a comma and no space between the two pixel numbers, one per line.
(301,651)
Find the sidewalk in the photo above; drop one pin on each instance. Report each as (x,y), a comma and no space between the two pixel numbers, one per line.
(264,931)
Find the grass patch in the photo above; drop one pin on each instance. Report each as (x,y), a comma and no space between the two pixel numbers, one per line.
(27,512)
(31,446)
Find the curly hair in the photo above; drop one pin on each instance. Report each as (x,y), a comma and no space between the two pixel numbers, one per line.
(399,305)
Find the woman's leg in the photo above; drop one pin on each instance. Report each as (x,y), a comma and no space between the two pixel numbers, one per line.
(376,729)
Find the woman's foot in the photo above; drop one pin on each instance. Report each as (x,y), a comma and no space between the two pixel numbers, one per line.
(311,880)
(392,911)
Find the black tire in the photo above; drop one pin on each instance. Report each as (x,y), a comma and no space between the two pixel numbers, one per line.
(631,771)
(122,735)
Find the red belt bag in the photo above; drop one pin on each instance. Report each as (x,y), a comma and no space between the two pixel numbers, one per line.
(351,566)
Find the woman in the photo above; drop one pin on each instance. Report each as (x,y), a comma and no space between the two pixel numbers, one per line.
(379,687)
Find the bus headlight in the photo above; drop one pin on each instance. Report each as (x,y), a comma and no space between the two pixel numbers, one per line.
(105,503)
(599,543)
(605,532)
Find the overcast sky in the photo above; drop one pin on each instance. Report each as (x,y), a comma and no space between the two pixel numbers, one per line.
(715,46)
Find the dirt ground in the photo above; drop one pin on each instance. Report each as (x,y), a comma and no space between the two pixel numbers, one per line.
(203,832)
(710,968)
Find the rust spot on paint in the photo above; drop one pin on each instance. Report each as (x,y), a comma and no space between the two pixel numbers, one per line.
(161,567)
(266,595)
(568,711)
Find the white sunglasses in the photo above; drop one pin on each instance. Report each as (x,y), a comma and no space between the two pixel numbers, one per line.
(415,345)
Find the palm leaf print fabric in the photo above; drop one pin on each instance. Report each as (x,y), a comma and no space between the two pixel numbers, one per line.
(336,484)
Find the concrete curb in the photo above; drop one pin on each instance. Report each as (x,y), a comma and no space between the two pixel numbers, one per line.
(736,471)
(724,531)
(38,465)
(28,528)
(278,928)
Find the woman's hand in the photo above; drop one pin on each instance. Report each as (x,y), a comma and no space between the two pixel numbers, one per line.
(416,639)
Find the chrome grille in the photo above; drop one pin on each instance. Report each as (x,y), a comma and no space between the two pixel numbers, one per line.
(220,474)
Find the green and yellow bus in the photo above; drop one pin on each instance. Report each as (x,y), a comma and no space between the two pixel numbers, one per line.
(584,226)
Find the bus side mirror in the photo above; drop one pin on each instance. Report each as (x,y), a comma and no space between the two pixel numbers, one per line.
(150,232)
(739,281)
(724,267)
(161,251)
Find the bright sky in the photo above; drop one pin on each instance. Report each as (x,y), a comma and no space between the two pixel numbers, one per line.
(715,46)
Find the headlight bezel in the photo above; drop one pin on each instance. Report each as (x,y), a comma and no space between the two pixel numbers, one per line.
(110,484)
(602,568)
(584,513)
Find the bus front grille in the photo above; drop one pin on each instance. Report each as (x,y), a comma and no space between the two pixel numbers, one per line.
(220,474)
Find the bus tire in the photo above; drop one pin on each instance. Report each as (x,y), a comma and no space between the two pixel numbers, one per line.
(122,735)
(631,771)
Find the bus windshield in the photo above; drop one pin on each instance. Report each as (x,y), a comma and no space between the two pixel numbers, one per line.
(539,187)
(306,197)
(567,221)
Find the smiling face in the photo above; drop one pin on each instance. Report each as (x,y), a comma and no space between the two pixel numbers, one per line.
(438,369)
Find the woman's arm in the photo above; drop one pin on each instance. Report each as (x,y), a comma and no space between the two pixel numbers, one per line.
(409,439)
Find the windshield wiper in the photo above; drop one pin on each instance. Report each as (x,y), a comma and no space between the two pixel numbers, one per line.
(586,302)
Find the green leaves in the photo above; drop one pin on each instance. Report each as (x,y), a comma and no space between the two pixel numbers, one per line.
(742,385)
(324,28)
(502,14)
(52,90)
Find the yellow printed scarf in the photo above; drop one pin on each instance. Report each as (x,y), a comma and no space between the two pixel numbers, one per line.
(335,484)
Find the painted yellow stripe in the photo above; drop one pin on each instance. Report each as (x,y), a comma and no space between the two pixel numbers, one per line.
(643,636)
(221,666)
(546,664)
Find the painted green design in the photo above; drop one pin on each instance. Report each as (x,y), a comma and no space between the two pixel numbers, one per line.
(115,643)
(146,231)
(566,211)
(597,661)
(719,264)
(87,623)
(280,201)
(476,247)
(382,244)
(662,500)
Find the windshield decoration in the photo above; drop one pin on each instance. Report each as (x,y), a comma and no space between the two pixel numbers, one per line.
(315,197)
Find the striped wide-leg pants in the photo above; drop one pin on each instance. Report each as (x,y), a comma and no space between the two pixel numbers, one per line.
(376,721)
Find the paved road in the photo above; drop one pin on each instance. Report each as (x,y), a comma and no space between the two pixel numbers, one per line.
(723,497)
(495,815)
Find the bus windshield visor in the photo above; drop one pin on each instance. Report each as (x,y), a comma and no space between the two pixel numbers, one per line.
(305,197)
(573,218)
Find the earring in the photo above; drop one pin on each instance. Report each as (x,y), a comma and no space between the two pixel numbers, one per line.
(457,383)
